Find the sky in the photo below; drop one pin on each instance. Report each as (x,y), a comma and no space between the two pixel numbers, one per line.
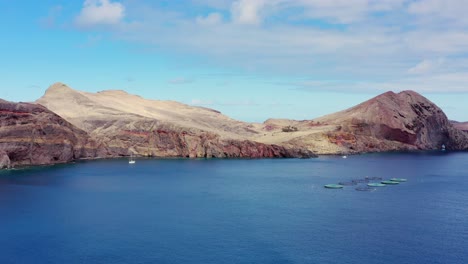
(250,59)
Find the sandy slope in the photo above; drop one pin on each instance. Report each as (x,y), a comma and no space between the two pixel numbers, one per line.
(78,107)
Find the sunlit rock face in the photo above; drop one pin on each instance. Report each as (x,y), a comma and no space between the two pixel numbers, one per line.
(388,122)
(123,124)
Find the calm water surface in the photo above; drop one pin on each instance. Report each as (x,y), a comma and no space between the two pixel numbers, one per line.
(237,211)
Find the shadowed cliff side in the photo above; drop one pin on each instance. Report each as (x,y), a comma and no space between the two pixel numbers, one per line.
(32,135)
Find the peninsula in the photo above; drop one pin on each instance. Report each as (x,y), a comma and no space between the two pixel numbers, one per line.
(67,124)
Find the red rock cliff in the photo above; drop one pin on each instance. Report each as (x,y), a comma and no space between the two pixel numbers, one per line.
(31,134)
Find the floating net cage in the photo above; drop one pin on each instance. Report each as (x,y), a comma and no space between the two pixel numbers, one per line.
(365,189)
(361,180)
(366,184)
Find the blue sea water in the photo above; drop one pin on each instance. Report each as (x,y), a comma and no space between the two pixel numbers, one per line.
(237,211)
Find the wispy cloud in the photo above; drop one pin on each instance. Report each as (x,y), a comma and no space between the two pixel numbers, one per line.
(248,11)
(100,12)
(370,44)
(426,66)
(210,20)
(441,10)
(181,80)
(201,102)
(51,19)
(427,83)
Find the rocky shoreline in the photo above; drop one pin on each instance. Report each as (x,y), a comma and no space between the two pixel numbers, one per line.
(66,125)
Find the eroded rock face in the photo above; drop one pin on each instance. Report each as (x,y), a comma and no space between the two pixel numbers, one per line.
(388,122)
(391,121)
(151,138)
(31,135)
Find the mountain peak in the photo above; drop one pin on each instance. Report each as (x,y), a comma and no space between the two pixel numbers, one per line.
(58,87)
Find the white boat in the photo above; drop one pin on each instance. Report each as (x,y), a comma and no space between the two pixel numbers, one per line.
(131,160)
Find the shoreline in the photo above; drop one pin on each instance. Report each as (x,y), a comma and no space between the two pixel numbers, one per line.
(340,155)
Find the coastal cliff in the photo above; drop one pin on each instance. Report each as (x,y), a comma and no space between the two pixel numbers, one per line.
(115,123)
(30,134)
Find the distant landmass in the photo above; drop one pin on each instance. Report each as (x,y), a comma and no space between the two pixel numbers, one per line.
(66,124)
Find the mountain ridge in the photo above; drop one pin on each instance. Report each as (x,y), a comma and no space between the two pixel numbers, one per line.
(114,123)
(387,122)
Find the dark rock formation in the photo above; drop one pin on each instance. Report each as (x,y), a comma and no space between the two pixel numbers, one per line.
(31,134)
(390,121)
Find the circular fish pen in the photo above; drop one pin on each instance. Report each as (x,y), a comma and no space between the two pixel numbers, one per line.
(333,186)
(361,180)
(365,189)
(398,179)
(376,185)
(390,182)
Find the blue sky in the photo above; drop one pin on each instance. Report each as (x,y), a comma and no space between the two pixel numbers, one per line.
(250,59)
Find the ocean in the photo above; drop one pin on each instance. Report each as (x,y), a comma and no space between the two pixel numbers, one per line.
(238,211)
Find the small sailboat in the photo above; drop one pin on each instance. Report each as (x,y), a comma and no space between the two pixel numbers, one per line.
(132,159)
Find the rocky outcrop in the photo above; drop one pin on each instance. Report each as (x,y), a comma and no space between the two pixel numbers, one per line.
(4,160)
(388,122)
(31,135)
(393,121)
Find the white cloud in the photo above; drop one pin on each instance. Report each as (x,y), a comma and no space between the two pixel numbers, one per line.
(448,41)
(210,20)
(247,11)
(375,45)
(454,10)
(426,66)
(100,12)
(334,11)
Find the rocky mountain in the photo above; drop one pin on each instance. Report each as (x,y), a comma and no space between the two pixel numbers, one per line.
(126,124)
(388,122)
(31,134)
(115,123)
